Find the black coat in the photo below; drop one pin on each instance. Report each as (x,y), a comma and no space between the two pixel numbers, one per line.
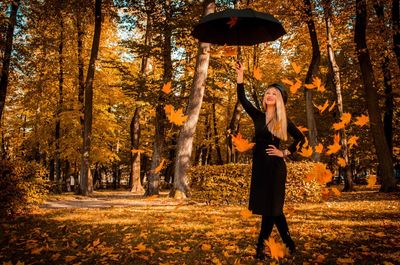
(267,188)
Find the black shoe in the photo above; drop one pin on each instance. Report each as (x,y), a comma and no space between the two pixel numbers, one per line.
(290,245)
(260,252)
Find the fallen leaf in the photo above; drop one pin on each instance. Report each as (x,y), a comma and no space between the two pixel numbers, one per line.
(167,87)
(175,116)
(332,106)
(69,258)
(246,213)
(371,181)
(242,145)
(277,249)
(287,81)
(353,140)
(206,247)
(319,148)
(295,87)
(362,120)
(296,68)
(322,108)
(341,161)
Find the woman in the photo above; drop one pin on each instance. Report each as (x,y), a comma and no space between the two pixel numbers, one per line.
(267,190)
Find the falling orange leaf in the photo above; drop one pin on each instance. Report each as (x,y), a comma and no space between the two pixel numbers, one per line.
(257,73)
(362,120)
(309,86)
(242,145)
(159,167)
(322,108)
(318,84)
(278,250)
(338,126)
(296,68)
(335,147)
(232,22)
(96,242)
(167,87)
(332,106)
(302,129)
(296,86)
(346,117)
(353,140)
(319,148)
(306,151)
(341,161)
(220,84)
(320,174)
(175,116)
(287,81)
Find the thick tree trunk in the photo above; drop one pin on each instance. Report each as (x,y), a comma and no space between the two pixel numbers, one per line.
(7,55)
(348,178)
(387,76)
(160,119)
(216,136)
(312,71)
(136,185)
(185,140)
(86,183)
(396,29)
(378,134)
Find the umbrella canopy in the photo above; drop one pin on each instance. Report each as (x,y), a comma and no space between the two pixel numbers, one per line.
(238,27)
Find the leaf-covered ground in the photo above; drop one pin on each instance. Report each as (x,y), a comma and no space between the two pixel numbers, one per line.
(361,227)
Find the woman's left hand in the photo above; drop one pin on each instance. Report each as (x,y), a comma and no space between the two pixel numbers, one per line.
(273,151)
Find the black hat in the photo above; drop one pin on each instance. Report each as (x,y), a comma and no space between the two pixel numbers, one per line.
(282,89)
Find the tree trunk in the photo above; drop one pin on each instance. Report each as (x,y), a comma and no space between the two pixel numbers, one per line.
(383,153)
(185,140)
(136,185)
(216,136)
(7,55)
(233,126)
(312,71)
(86,184)
(81,81)
(387,76)
(59,107)
(160,119)
(348,178)
(396,29)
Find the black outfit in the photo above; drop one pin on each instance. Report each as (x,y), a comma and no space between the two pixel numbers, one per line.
(267,188)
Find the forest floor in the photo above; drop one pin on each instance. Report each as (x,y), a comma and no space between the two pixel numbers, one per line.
(361,227)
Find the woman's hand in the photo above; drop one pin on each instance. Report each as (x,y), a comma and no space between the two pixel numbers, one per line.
(239,71)
(273,151)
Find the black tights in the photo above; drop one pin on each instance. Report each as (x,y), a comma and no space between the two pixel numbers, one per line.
(267,224)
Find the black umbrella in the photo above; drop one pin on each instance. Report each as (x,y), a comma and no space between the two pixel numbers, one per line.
(238,27)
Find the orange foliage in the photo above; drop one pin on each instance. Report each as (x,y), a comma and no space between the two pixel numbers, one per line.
(241,144)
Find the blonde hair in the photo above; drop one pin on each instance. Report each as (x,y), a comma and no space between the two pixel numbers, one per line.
(278,124)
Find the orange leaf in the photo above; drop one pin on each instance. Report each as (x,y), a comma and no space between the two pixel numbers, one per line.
(346,117)
(353,141)
(175,116)
(306,151)
(220,84)
(242,145)
(206,247)
(338,126)
(167,87)
(309,86)
(320,173)
(341,162)
(287,81)
(278,250)
(322,108)
(232,22)
(296,68)
(159,167)
(335,147)
(318,84)
(295,87)
(96,242)
(362,120)
(302,129)
(257,74)
(332,106)
(319,148)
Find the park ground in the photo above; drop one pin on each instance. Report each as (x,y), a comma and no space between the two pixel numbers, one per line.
(361,227)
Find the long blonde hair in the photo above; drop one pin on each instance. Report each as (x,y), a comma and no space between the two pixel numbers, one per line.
(278,123)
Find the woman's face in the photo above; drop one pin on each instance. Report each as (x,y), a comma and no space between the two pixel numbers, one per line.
(270,96)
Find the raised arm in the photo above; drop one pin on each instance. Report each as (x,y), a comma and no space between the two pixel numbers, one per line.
(247,105)
(299,138)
